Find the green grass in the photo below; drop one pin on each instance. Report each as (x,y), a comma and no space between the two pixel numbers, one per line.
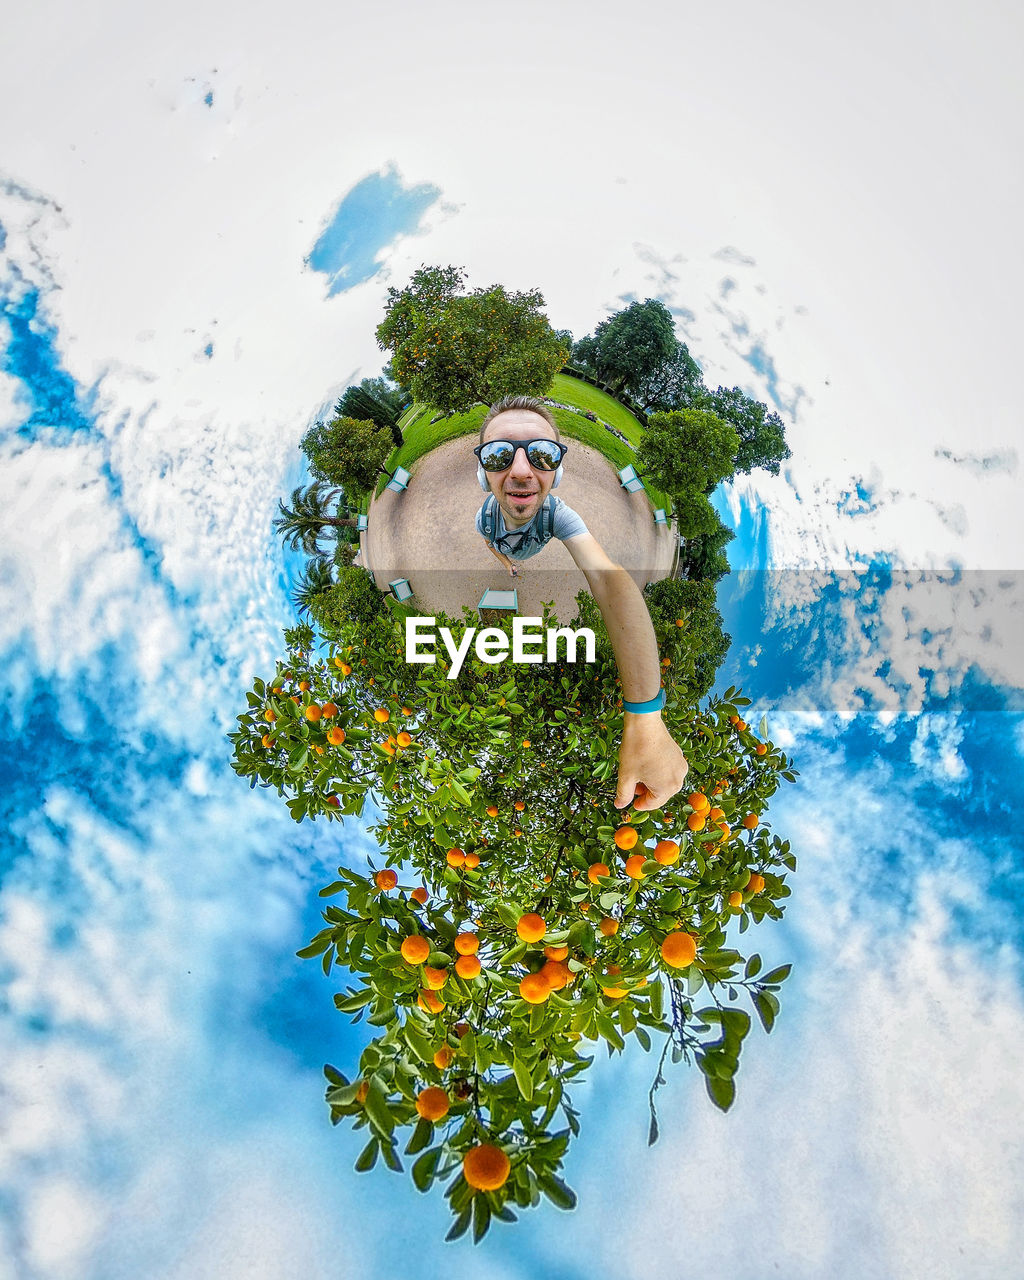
(422,436)
(571,390)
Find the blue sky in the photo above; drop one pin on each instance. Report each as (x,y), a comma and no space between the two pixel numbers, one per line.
(162,1047)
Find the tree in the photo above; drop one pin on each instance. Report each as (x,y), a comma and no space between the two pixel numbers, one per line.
(630,347)
(687,450)
(376,399)
(303,524)
(513,916)
(762,435)
(702,557)
(316,579)
(674,384)
(349,452)
(454,350)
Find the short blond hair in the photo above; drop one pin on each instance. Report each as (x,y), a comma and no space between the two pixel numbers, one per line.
(530,403)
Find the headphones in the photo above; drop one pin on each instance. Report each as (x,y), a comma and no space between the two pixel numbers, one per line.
(481,476)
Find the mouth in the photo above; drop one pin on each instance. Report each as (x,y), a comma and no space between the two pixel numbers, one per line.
(522,498)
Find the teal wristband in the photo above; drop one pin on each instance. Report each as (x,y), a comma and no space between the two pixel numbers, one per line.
(652,704)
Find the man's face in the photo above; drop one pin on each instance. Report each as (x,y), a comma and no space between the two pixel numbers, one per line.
(521,489)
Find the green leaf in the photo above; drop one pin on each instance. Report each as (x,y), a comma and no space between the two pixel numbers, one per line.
(721,1092)
(481,1218)
(753,967)
(653,1131)
(556,1191)
(523,1077)
(425,1167)
(350,1003)
(421,1136)
(335,887)
(461,1224)
(778,975)
(764,1010)
(368,1156)
(377,1109)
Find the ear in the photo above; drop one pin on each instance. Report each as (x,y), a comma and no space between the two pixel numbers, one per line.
(481,476)
(558,477)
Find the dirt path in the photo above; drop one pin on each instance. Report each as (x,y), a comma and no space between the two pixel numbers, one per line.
(427,535)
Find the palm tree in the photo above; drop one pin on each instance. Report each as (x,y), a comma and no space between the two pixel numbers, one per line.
(314,582)
(303,524)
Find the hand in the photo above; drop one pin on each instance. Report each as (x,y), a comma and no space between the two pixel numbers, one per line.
(513,572)
(652,768)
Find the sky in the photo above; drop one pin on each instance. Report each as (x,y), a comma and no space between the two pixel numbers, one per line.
(201,209)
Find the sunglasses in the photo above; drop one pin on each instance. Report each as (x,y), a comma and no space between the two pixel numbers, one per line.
(498,455)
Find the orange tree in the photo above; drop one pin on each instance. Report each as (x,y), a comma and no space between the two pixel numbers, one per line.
(514,917)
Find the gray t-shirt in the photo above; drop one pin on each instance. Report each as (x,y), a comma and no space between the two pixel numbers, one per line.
(520,544)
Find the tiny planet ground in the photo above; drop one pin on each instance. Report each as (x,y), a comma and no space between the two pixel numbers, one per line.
(427,535)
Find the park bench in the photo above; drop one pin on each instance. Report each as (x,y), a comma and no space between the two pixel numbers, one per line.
(399,481)
(491,599)
(629,479)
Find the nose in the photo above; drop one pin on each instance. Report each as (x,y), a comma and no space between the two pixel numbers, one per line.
(520,468)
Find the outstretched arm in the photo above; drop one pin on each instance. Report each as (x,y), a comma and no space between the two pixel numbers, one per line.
(502,559)
(651,765)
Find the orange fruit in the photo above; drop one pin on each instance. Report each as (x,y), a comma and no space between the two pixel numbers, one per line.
(531,927)
(756,882)
(443,1057)
(386,879)
(432,1103)
(312,712)
(336,736)
(615,993)
(434,979)
(455,857)
(625,837)
(634,866)
(526,742)
(596,870)
(715,814)
(407,711)
(328,710)
(517,832)
(696,821)
(679,949)
(303,685)
(415,949)
(430,1001)
(534,988)
(680,622)
(519,806)
(346,670)
(466,944)
(735,899)
(557,974)
(492,811)
(267,740)
(419,895)
(556,953)
(404,739)
(698,801)
(485,1167)
(382,715)
(608,926)
(751,821)
(362,1091)
(467,967)
(472,860)
(761,749)
(666,852)
(270,715)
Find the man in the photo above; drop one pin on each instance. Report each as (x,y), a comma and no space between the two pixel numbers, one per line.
(519,460)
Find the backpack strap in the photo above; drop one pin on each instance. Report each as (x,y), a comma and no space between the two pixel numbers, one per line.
(547,518)
(489,519)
